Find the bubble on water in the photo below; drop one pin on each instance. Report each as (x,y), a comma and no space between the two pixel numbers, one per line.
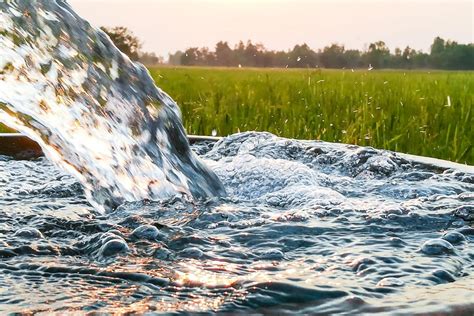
(437,247)
(361,263)
(146,232)
(192,252)
(163,254)
(272,255)
(465,212)
(29,233)
(444,275)
(114,247)
(454,237)
(390,282)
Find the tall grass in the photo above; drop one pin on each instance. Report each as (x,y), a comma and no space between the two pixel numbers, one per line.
(417,112)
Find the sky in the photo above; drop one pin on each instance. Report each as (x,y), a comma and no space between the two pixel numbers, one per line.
(165,26)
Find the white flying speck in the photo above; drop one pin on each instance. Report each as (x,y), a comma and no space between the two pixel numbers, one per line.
(370,67)
(449,101)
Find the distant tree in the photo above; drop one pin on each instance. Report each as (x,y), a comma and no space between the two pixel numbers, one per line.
(421,60)
(206,57)
(302,56)
(437,51)
(438,46)
(451,55)
(378,54)
(224,54)
(333,56)
(397,60)
(408,57)
(125,40)
(190,57)
(150,59)
(239,54)
(353,58)
(175,59)
(443,55)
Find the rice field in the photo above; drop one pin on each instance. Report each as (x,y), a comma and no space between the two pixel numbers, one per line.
(426,113)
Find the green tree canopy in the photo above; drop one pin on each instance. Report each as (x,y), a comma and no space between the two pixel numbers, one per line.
(444,55)
(125,40)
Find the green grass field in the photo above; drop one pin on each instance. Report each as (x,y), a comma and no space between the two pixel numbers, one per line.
(423,113)
(417,112)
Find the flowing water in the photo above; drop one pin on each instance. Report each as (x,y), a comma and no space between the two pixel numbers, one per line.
(304,227)
(95,113)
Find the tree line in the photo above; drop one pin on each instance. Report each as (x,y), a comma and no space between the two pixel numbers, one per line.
(444,54)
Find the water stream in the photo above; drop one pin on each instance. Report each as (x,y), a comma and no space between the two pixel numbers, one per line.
(95,113)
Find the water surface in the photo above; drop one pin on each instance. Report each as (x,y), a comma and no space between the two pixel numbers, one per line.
(307,227)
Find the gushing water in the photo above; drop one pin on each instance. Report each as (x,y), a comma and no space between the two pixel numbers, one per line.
(95,113)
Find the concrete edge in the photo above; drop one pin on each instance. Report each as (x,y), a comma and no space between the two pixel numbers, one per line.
(20,146)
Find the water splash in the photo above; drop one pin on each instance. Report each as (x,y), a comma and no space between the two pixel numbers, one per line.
(95,113)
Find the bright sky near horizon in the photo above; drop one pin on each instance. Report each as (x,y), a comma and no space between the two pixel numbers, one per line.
(168,25)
